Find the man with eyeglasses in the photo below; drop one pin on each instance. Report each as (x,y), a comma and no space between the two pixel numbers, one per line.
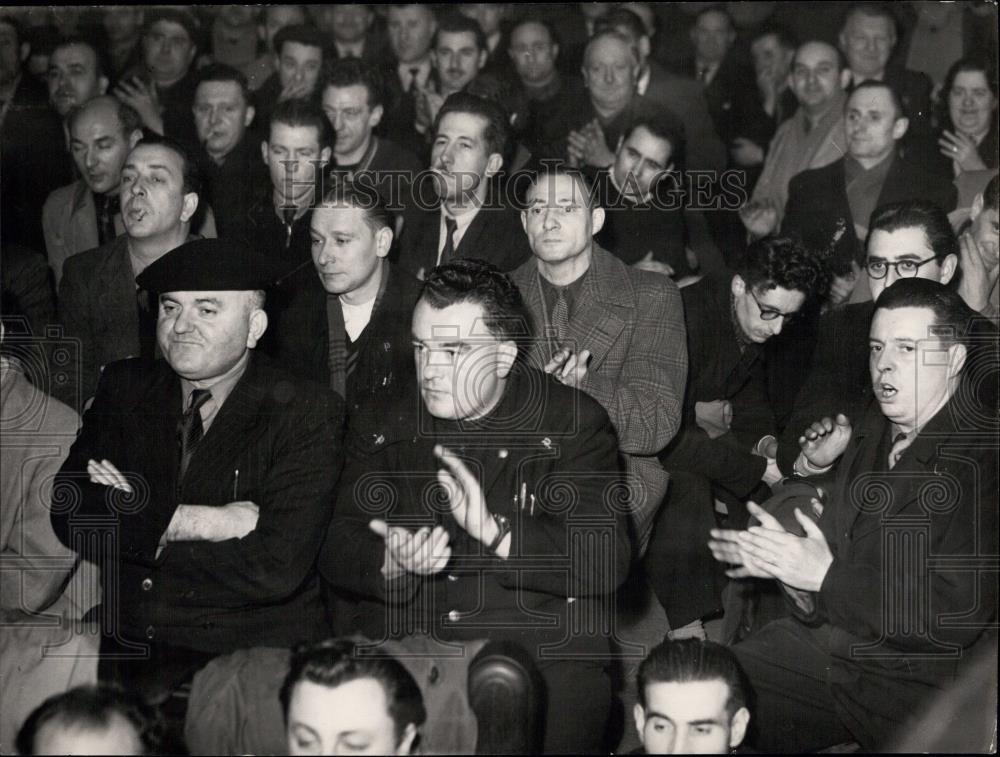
(907,240)
(740,373)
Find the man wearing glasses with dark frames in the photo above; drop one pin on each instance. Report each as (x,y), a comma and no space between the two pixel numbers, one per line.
(910,239)
(741,379)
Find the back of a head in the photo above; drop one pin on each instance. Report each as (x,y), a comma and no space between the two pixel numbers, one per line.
(476,281)
(784,262)
(687,660)
(336,662)
(94,708)
(920,214)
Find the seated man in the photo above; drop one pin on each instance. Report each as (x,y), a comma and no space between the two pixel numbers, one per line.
(980,254)
(348,326)
(299,52)
(877,631)
(473,218)
(609,329)
(740,377)
(87,213)
(495,551)
(75,74)
(93,720)
(229,464)
(643,218)
(691,699)
(337,700)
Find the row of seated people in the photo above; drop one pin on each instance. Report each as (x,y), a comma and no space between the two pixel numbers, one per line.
(368,564)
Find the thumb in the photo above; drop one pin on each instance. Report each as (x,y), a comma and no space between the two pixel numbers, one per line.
(809,525)
(843,420)
(380,527)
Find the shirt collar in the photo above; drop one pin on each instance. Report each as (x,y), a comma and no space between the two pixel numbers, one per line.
(643,84)
(221,387)
(423,71)
(352,50)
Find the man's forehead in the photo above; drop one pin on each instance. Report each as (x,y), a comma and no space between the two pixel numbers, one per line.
(340,216)
(649,145)
(871,98)
(456,40)
(352,94)
(608,49)
(212,90)
(859,21)
(75,53)
(224,296)
(460,124)
(294,136)
(97,117)
(532,30)
(452,323)
(154,156)
(687,700)
(815,54)
(300,51)
(909,241)
(172,28)
(910,323)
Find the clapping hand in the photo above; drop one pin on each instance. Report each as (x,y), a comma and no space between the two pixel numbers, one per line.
(825,440)
(465,497)
(105,473)
(962,149)
(568,367)
(759,218)
(423,552)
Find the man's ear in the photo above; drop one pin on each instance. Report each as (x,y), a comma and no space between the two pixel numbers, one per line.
(956,359)
(899,128)
(977,207)
(263,151)
(405,745)
(738,727)
(494,164)
(324,155)
(248,118)
(596,220)
(524,220)
(102,85)
(376,117)
(739,286)
(948,268)
(639,715)
(507,355)
(383,241)
(258,325)
(483,55)
(644,47)
(189,207)
(134,138)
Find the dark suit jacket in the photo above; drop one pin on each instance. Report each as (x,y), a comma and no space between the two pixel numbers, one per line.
(917,540)
(282,435)
(728,95)
(685,98)
(495,235)
(232,188)
(817,204)
(632,323)
(543,437)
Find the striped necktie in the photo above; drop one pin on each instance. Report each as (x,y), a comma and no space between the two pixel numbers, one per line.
(190,429)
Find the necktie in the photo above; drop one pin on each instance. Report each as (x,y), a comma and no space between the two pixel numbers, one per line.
(899,444)
(109,207)
(288,214)
(450,226)
(412,85)
(190,430)
(560,315)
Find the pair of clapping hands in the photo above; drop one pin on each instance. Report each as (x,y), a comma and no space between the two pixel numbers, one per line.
(769,550)
(427,551)
(588,146)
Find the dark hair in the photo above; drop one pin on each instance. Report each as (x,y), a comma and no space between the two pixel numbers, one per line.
(495,132)
(990,194)
(663,126)
(190,172)
(128,117)
(300,33)
(689,660)
(872,10)
(720,9)
(841,62)
(784,262)
(479,282)
(343,192)
(897,102)
(780,32)
(582,182)
(535,19)
(304,113)
(94,707)
(952,315)
(334,662)
(962,65)
(921,214)
(453,22)
(220,72)
(100,61)
(351,72)
(622,17)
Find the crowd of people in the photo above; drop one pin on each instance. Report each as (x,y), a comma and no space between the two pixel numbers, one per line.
(364,366)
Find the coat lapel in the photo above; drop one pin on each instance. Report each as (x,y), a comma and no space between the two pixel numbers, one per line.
(599,314)
(83,222)
(155,421)
(118,307)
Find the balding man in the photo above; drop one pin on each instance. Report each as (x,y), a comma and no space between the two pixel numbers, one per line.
(86,213)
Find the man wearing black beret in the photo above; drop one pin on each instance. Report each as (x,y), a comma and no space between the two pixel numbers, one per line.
(201,483)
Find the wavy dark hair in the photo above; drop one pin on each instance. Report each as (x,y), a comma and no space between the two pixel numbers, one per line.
(787,263)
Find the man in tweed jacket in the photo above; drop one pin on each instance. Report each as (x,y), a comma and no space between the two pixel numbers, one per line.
(613,331)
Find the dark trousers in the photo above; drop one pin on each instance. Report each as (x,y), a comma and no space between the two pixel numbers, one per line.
(787,665)
(685,577)
(578,703)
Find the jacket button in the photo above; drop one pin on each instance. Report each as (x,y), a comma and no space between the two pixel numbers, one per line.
(454,616)
(452,577)
(147,584)
(150,632)
(379,440)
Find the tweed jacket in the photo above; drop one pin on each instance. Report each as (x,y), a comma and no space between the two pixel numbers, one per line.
(632,323)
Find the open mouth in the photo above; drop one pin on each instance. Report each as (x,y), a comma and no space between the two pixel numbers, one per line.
(885,391)
(135,214)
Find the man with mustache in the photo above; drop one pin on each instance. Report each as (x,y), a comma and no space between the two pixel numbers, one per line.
(99,301)
(875,630)
(86,213)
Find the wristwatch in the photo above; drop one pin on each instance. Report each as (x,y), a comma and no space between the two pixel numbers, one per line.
(503,528)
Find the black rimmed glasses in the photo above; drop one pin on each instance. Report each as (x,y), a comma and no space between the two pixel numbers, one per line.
(905,269)
(770,314)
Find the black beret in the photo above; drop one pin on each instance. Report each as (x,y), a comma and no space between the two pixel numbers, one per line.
(211,265)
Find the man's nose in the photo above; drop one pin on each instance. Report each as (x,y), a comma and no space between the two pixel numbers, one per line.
(609,76)
(182,323)
(549,220)
(338,122)
(90,160)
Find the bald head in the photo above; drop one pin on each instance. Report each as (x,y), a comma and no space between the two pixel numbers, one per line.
(610,69)
(816,75)
(102,132)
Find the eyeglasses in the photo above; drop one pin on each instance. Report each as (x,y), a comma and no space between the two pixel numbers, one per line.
(905,269)
(770,314)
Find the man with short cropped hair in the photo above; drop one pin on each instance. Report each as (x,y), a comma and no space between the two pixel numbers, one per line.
(298,63)
(87,213)
(410,70)
(75,74)
(272,19)
(691,699)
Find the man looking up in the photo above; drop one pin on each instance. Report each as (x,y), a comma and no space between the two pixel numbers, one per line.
(87,213)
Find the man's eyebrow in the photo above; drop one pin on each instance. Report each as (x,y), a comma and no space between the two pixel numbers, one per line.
(440,345)
(209,301)
(705,721)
